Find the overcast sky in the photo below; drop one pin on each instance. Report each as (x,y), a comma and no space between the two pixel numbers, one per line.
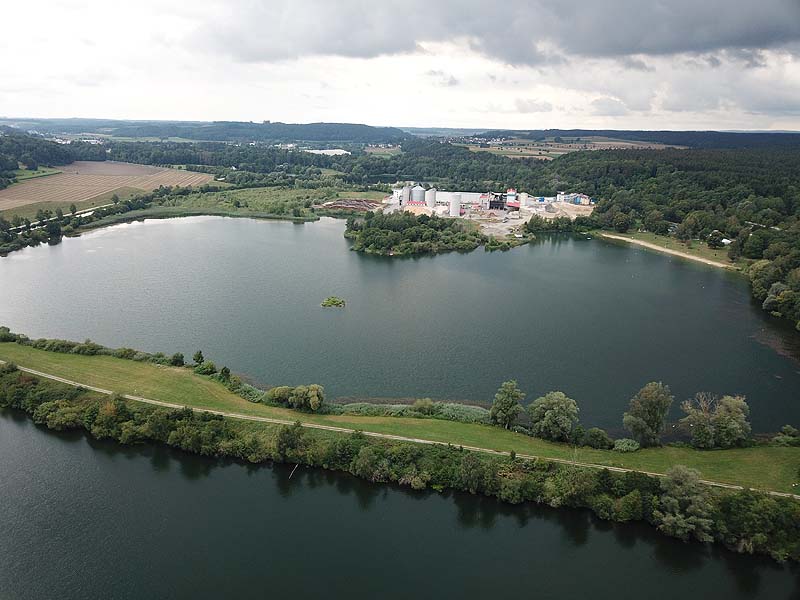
(628,64)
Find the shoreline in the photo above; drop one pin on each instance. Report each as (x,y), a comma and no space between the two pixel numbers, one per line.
(187,388)
(385,436)
(438,466)
(678,253)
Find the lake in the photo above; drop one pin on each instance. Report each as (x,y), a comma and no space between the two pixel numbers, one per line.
(88,519)
(594,319)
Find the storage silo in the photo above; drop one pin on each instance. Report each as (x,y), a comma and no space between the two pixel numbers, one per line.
(455,205)
(418,194)
(406,196)
(430,198)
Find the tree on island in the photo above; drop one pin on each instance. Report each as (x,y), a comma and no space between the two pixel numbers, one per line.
(506,406)
(553,416)
(646,417)
(198,357)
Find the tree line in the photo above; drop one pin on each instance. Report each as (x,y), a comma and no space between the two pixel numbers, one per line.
(710,421)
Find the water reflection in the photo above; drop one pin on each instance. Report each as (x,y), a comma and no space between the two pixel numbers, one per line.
(458,524)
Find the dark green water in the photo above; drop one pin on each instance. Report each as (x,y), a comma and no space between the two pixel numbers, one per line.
(83,519)
(593,319)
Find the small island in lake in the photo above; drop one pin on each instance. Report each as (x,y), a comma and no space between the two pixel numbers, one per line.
(332,301)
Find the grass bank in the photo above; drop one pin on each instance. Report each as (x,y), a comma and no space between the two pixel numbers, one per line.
(274,203)
(23,174)
(696,251)
(762,467)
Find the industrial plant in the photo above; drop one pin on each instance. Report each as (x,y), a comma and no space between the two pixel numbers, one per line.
(421,200)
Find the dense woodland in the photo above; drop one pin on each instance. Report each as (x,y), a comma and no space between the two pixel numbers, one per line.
(402,233)
(224,131)
(691,139)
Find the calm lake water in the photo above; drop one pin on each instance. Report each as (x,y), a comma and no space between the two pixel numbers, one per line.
(594,319)
(85,519)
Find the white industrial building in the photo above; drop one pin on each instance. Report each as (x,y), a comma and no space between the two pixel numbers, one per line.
(455,203)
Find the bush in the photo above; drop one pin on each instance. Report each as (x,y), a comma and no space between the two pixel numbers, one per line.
(597,438)
(302,397)
(626,445)
(206,368)
(424,406)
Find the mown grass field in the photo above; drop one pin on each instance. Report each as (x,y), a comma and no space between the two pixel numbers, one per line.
(770,468)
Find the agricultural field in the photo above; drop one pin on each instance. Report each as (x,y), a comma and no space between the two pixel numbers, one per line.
(550,148)
(83,181)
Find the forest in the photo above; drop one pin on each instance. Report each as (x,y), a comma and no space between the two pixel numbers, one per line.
(691,139)
(402,233)
(223,131)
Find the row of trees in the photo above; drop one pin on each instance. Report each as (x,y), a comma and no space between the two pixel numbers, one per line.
(679,504)
(712,422)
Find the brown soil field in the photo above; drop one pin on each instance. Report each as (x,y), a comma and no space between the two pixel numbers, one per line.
(81,181)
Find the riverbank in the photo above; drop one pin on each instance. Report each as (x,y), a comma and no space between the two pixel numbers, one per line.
(762,467)
(664,246)
(613,496)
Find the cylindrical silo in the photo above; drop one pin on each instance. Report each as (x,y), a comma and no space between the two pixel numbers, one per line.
(430,198)
(406,196)
(455,205)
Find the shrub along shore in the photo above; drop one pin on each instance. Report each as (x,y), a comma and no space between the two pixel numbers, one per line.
(679,504)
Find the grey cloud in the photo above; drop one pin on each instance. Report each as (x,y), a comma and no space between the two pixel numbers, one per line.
(518,32)
(609,107)
(634,64)
(532,106)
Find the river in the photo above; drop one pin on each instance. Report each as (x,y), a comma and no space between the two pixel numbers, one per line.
(591,318)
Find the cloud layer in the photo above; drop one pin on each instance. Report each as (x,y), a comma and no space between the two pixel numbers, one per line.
(653,64)
(518,32)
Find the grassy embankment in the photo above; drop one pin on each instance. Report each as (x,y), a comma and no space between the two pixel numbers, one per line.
(23,174)
(292,204)
(696,249)
(769,468)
